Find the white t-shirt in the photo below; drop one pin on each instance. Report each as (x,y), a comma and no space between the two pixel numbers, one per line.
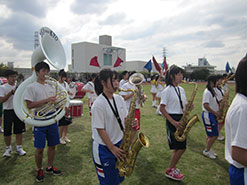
(129,86)
(208,98)
(170,99)
(219,94)
(236,127)
(90,86)
(122,82)
(65,85)
(4,90)
(37,91)
(104,118)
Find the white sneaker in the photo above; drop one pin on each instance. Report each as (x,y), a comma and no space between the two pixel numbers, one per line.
(7,152)
(20,151)
(62,141)
(209,154)
(67,140)
(220,138)
(213,153)
(1,130)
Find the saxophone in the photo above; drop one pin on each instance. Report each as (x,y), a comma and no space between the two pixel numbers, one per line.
(126,167)
(224,106)
(180,136)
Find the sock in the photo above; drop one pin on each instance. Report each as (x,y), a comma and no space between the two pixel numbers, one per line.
(18,147)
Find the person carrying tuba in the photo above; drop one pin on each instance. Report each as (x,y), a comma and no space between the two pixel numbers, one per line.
(37,94)
(108,123)
(173,102)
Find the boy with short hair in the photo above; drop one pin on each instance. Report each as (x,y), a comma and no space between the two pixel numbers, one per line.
(7,92)
(38,94)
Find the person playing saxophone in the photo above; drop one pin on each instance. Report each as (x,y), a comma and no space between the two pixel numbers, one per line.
(109,112)
(173,102)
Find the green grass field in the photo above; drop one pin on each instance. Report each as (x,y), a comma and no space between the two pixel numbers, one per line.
(75,159)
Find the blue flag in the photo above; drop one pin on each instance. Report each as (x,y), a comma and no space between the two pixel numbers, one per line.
(148,66)
(228,68)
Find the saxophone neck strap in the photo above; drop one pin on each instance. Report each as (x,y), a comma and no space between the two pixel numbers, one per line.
(115,111)
(177,90)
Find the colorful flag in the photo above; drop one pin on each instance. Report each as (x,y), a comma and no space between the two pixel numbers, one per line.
(156,65)
(118,62)
(94,62)
(148,66)
(228,68)
(164,65)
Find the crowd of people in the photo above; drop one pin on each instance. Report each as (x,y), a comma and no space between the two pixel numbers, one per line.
(110,110)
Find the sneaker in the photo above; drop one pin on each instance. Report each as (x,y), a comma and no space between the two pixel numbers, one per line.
(213,153)
(220,138)
(1,130)
(40,175)
(66,139)
(53,170)
(7,152)
(20,151)
(174,173)
(209,154)
(62,141)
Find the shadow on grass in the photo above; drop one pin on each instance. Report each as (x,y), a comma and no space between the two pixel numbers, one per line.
(6,166)
(146,172)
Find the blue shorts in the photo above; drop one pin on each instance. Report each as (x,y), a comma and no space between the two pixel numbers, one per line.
(105,164)
(48,132)
(210,124)
(238,176)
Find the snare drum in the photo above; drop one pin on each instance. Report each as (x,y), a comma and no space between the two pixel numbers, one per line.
(76,107)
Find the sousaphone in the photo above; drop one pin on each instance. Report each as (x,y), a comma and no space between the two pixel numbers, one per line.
(52,50)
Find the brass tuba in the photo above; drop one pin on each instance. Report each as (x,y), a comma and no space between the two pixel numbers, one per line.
(52,50)
(131,150)
(180,136)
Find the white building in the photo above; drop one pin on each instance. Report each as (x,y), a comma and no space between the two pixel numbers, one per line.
(83,52)
(202,64)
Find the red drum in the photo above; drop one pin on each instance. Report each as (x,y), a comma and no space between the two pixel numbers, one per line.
(76,107)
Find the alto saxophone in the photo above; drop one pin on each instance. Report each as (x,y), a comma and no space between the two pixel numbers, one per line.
(181,135)
(126,167)
(224,106)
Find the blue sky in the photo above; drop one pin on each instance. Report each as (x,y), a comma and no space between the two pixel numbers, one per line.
(188,29)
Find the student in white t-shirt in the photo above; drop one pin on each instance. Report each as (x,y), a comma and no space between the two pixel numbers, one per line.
(125,77)
(36,95)
(154,89)
(107,130)
(160,88)
(11,121)
(64,122)
(173,102)
(219,94)
(235,129)
(89,88)
(210,114)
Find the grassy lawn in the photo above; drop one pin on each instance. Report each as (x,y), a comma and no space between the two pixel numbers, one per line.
(75,159)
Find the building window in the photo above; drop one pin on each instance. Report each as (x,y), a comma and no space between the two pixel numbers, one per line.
(107,60)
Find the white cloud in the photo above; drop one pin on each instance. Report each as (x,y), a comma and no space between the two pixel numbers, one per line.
(189,29)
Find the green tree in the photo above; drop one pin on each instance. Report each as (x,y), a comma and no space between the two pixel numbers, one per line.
(201,74)
(3,67)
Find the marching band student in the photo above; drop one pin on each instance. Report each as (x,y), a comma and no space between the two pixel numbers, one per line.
(173,101)
(219,94)
(210,114)
(89,88)
(128,98)
(154,90)
(125,75)
(160,88)
(6,97)
(235,129)
(108,122)
(36,95)
(63,123)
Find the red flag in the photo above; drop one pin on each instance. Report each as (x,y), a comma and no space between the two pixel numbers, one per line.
(118,62)
(94,62)
(156,65)
(165,66)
